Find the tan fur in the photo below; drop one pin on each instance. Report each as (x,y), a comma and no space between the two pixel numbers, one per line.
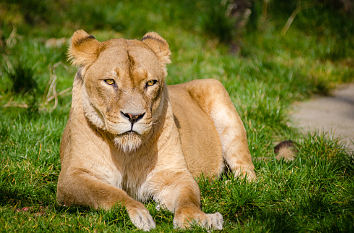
(286,150)
(182,131)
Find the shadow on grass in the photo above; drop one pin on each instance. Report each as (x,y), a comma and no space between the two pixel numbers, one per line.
(20,200)
(278,221)
(14,198)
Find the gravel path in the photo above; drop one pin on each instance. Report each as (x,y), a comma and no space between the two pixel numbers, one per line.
(333,114)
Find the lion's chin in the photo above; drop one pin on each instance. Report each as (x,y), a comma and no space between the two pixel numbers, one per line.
(128,142)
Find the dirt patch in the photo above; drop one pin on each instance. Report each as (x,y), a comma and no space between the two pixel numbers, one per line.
(332,114)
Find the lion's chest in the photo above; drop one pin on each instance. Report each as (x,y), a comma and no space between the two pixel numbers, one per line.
(131,176)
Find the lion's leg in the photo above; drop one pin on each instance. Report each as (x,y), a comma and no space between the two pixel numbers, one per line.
(83,189)
(215,101)
(179,193)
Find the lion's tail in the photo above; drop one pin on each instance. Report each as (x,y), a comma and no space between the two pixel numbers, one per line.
(286,150)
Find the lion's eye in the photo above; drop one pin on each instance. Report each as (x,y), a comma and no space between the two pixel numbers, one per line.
(151,83)
(109,81)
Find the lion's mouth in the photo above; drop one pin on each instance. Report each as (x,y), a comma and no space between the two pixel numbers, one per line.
(129,132)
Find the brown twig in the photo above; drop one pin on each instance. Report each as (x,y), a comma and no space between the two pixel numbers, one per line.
(51,90)
(11,40)
(62,93)
(10,104)
(265,9)
(290,20)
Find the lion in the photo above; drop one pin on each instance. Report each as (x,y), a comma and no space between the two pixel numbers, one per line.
(130,137)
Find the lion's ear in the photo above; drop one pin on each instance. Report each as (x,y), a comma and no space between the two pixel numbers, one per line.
(158,45)
(84,48)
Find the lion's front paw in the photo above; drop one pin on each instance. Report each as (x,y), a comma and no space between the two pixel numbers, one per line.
(141,218)
(245,172)
(186,217)
(215,221)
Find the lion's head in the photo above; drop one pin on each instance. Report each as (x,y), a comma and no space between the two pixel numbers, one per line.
(123,88)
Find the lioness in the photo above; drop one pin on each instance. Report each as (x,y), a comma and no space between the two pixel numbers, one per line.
(131,137)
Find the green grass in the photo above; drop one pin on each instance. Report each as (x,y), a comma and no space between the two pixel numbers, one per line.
(269,73)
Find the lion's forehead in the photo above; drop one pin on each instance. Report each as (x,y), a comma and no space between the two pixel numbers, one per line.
(133,61)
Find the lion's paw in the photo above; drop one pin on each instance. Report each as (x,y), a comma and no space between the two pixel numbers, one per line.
(215,221)
(186,218)
(141,218)
(245,172)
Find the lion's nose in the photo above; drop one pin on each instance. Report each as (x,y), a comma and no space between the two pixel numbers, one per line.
(133,117)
